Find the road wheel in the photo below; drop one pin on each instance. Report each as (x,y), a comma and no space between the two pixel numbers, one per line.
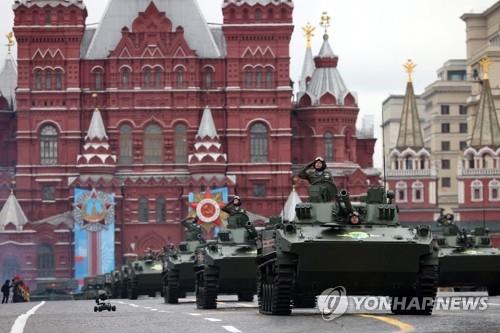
(207,281)
(95,308)
(171,287)
(275,285)
(131,289)
(113,308)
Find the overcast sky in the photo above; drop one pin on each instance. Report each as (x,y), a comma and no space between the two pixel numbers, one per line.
(372,38)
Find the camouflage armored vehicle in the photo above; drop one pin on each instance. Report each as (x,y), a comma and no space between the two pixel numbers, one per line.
(356,245)
(119,282)
(93,285)
(55,290)
(227,265)
(145,276)
(467,260)
(178,264)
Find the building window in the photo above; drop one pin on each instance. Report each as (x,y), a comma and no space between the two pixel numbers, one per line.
(494,187)
(125,78)
(208,78)
(462,110)
(445,109)
(445,145)
(418,191)
(143,211)
(258,77)
(445,128)
(10,268)
(153,145)
(258,15)
(477,190)
(98,80)
(125,144)
(258,143)
(463,128)
(45,261)
(48,145)
(59,79)
(328,139)
(401,189)
(48,80)
(48,193)
(408,163)
(180,144)
(160,210)
(146,78)
(445,164)
(248,78)
(463,145)
(38,79)
(179,77)
(158,78)
(269,77)
(446,182)
(456,75)
(259,190)
(422,163)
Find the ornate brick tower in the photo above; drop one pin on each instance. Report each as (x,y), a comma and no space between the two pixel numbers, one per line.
(479,172)
(258,37)
(411,173)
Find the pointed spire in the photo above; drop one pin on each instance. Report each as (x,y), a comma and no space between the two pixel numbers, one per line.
(288,212)
(12,212)
(307,70)
(207,126)
(486,130)
(410,133)
(96,127)
(8,81)
(326,49)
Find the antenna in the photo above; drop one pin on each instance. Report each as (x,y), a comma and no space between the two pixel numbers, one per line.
(383,151)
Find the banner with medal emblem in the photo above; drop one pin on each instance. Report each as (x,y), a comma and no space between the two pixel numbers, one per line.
(206,206)
(94,214)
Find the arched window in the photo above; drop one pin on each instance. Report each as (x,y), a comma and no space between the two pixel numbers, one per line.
(258,77)
(125,78)
(143,210)
(179,77)
(248,78)
(409,163)
(258,15)
(269,77)
(153,145)
(98,79)
(48,145)
(38,79)
(146,77)
(45,261)
(401,192)
(494,187)
(160,210)
(48,18)
(158,77)
(328,140)
(48,79)
(208,78)
(126,144)
(10,268)
(472,163)
(476,190)
(180,144)
(418,192)
(258,143)
(422,163)
(59,78)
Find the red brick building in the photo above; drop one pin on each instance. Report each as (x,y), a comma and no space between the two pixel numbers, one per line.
(154,103)
(410,171)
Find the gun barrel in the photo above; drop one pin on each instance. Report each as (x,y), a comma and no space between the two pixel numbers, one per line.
(344,198)
(251,229)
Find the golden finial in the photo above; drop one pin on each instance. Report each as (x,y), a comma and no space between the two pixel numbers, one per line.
(11,41)
(410,68)
(485,64)
(309,31)
(325,22)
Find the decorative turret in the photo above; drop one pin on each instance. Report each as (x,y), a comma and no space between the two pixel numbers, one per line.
(207,148)
(12,215)
(410,133)
(486,130)
(96,157)
(326,86)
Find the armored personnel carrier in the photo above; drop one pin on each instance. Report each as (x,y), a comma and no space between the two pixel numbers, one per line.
(467,260)
(178,264)
(227,265)
(92,286)
(55,290)
(144,277)
(356,245)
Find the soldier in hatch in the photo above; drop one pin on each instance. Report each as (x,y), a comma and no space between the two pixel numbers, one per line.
(322,187)
(238,217)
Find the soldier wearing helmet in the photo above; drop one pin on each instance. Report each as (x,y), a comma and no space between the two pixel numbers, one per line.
(322,187)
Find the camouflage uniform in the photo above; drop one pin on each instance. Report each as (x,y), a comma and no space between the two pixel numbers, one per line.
(322,187)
